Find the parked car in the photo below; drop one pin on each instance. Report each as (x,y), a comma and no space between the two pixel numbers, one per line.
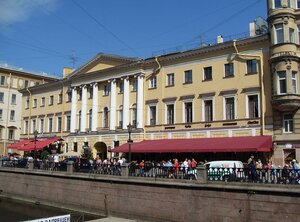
(80,164)
(225,170)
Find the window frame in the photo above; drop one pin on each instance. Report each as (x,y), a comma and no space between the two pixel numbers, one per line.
(185,114)
(248,105)
(151,121)
(51,100)
(252,67)
(225,114)
(205,77)
(1,97)
(288,121)
(229,70)
(153,82)
(294,78)
(170,79)
(12,115)
(279,82)
(212,99)
(279,31)
(188,76)
(106,90)
(13,99)
(167,114)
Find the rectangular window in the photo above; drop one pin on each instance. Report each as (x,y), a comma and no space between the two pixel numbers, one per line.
(282,82)
(253,106)
(79,94)
(42,126)
(207,73)
(133,85)
(208,110)
(152,82)
(51,100)
(277,4)
(188,76)
(13,99)
(279,37)
(229,108)
(26,83)
(36,83)
(170,114)
(59,99)
(152,115)
(251,66)
(69,96)
(11,134)
(292,35)
(68,123)
(59,124)
(294,82)
(1,97)
(1,114)
(12,115)
(91,91)
(43,101)
(298,3)
(2,80)
(33,125)
(288,123)
(229,70)
(27,102)
(34,103)
(170,79)
(106,90)
(26,127)
(50,125)
(188,109)
(121,87)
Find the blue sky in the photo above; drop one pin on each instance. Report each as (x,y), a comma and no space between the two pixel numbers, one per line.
(43,35)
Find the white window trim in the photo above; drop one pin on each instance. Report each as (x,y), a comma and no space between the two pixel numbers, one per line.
(49,124)
(57,123)
(32,125)
(247,103)
(296,78)
(166,112)
(278,83)
(40,125)
(203,72)
(148,113)
(283,125)
(66,122)
(224,105)
(183,110)
(150,82)
(26,131)
(275,33)
(103,122)
(203,106)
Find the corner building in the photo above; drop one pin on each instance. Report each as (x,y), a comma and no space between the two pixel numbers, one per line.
(284,29)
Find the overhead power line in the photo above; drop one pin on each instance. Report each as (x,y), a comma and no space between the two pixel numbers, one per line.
(104,27)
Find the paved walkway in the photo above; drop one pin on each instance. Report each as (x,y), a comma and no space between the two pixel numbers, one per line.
(112,219)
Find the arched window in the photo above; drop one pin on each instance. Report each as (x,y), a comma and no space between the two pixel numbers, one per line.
(105,117)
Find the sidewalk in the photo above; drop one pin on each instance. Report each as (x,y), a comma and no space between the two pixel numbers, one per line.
(112,219)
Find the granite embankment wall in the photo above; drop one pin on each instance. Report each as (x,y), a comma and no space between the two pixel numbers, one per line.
(155,200)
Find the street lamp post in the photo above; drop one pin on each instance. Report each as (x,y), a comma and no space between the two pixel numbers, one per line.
(35,136)
(129,141)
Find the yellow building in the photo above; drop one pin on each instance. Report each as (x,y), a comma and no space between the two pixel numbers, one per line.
(209,92)
(13,79)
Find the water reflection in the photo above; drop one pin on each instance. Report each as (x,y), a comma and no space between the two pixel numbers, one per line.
(15,211)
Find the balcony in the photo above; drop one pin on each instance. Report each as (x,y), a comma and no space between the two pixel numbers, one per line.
(287,102)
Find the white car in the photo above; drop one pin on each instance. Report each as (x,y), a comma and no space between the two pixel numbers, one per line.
(225,170)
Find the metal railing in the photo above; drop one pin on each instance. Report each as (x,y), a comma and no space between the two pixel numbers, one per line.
(168,172)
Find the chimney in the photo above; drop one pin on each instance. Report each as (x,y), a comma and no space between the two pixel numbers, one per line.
(252,29)
(220,39)
(67,71)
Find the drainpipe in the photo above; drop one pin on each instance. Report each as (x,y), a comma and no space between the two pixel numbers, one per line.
(29,118)
(6,123)
(262,99)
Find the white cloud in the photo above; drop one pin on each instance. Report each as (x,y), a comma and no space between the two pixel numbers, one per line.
(12,11)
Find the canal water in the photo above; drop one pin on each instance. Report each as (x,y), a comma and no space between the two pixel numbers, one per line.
(16,211)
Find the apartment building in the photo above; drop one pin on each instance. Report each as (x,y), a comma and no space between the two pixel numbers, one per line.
(11,80)
(246,88)
(284,27)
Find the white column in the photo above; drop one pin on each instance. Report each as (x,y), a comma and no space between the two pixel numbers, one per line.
(95,107)
(126,103)
(73,110)
(113,104)
(140,101)
(83,108)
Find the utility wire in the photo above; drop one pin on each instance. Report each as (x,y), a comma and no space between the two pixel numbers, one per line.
(104,27)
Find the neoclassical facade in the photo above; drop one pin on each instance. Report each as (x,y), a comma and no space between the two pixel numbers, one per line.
(241,88)
(11,80)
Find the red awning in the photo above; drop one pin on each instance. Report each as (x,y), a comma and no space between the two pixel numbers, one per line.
(19,144)
(39,145)
(226,144)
